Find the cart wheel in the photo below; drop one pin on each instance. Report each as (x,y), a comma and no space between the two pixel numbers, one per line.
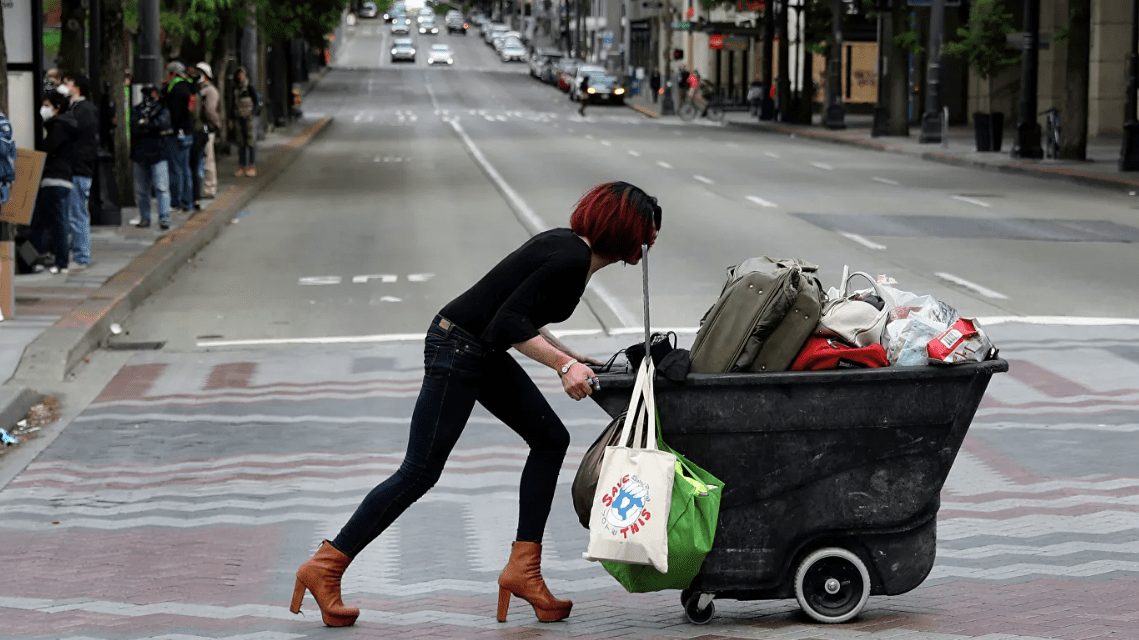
(697,614)
(685,594)
(832,585)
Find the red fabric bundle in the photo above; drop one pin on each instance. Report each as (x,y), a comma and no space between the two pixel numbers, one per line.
(821,353)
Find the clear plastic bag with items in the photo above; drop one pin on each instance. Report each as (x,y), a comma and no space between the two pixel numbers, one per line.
(915,320)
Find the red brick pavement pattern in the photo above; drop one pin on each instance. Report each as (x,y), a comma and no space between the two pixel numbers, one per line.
(132,381)
(231,375)
(217,565)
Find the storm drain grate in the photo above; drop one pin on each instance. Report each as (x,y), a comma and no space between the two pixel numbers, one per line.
(135,346)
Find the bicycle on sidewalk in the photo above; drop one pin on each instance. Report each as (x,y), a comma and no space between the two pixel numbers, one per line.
(703,103)
(1052,133)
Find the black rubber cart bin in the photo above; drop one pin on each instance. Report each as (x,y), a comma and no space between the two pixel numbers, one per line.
(832,480)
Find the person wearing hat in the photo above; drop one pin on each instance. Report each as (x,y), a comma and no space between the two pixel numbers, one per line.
(210,100)
(179,96)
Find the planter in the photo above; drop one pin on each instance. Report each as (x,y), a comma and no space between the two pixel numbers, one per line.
(988,130)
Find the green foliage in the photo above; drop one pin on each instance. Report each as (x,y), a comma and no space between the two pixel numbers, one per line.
(982,41)
(908,41)
(311,20)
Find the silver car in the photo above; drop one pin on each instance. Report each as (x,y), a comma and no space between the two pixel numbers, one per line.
(511,50)
(428,26)
(403,49)
(400,27)
(440,54)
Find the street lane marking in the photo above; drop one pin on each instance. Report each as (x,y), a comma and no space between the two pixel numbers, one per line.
(420,277)
(822,165)
(703,179)
(534,224)
(319,280)
(1063,321)
(385,278)
(434,101)
(635,154)
(979,203)
(664,165)
(771,154)
(886,181)
(864,241)
(761,202)
(605,143)
(957,280)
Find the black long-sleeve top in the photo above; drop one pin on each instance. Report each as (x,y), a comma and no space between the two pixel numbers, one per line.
(539,283)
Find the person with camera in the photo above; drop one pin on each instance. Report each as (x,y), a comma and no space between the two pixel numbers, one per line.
(151,127)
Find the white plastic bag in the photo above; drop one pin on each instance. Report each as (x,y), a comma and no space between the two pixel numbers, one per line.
(915,320)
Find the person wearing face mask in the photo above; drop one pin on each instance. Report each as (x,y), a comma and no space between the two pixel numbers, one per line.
(50,215)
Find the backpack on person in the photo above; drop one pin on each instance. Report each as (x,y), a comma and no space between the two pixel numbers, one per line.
(7,157)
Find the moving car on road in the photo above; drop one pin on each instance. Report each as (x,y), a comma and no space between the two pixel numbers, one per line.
(425,13)
(369,10)
(440,54)
(403,49)
(605,88)
(590,70)
(400,27)
(455,23)
(397,9)
(428,26)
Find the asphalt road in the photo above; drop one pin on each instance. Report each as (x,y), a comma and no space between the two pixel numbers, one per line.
(182,498)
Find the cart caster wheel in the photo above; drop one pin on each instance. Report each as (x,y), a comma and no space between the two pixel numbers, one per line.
(832,585)
(697,614)
(685,594)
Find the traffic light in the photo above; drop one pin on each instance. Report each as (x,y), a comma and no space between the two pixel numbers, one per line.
(678,54)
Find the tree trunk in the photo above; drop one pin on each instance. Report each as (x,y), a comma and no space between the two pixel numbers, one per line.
(898,75)
(73,38)
(1074,104)
(113,74)
(3,68)
(806,71)
(783,86)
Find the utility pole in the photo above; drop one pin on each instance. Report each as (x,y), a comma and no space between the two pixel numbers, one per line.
(783,90)
(1027,141)
(836,111)
(767,104)
(627,39)
(1129,155)
(148,65)
(931,120)
(881,111)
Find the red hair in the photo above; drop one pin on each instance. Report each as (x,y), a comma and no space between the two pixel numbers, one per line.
(617,218)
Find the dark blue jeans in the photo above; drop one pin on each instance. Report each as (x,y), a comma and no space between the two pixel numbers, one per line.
(50,215)
(458,371)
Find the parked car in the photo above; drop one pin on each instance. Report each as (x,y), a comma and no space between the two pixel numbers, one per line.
(400,27)
(605,88)
(512,50)
(540,59)
(428,26)
(403,49)
(495,30)
(567,70)
(590,70)
(500,40)
(440,54)
(369,10)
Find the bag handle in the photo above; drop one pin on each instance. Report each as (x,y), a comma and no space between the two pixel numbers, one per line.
(644,413)
(886,299)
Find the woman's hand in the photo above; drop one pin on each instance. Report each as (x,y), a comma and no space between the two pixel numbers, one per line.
(579,381)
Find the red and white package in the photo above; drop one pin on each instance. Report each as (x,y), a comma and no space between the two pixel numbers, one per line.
(962,342)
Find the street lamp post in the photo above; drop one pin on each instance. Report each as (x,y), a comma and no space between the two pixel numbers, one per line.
(881,112)
(1027,142)
(836,111)
(148,69)
(1129,155)
(931,120)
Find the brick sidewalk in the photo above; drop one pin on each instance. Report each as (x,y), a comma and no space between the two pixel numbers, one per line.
(180,502)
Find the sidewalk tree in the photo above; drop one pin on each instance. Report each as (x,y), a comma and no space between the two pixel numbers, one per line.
(983,44)
(1075,38)
(113,74)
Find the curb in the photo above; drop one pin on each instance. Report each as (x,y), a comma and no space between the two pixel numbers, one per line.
(15,401)
(1019,168)
(647,112)
(55,352)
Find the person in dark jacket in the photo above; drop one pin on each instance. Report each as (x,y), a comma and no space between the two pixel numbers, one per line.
(467,360)
(50,215)
(150,127)
(583,95)
(246,105)
(83,169)
(180,96)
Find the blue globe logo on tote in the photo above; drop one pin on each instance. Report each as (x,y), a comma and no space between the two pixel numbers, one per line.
(624,509)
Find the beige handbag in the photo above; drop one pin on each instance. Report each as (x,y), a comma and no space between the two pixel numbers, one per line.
(852,320)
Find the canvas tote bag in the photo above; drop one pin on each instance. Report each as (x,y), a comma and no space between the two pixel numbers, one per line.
(628,521)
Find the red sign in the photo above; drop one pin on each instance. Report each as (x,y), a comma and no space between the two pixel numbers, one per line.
(715,42)
(750,5)
(691,12)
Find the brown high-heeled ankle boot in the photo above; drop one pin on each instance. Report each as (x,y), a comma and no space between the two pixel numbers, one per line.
(523,578)
(321,576)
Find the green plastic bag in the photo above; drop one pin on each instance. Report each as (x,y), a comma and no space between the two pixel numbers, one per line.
(692,519)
